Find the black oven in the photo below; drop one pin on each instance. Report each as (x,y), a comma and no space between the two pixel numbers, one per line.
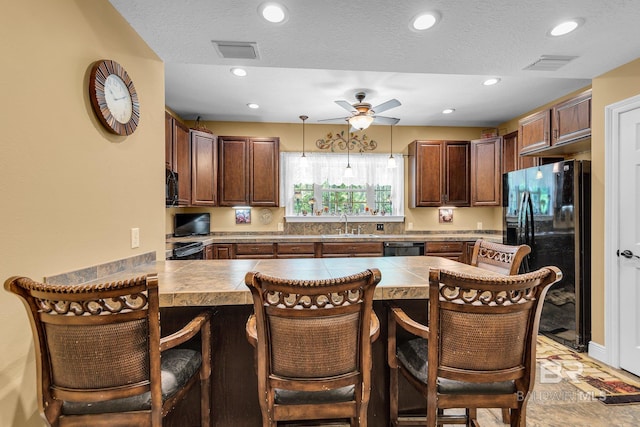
(187,250)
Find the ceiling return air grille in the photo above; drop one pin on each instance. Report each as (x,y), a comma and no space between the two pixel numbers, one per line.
(549,63)
(236,50)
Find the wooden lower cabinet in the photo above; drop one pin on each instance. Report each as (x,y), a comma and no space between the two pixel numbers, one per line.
(355,249)
(255,250)
(296,250)
(222,251)
(446,249)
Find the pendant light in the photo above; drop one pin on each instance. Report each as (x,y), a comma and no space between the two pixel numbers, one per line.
(391,163)
(348,173)
(303,158)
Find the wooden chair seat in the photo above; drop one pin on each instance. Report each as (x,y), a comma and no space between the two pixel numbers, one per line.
(178,366)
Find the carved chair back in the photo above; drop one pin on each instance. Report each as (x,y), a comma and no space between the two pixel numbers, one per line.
(313,336)
(483,330)
(504,259)
(98,342)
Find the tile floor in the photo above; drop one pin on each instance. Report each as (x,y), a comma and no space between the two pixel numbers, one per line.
(562,404)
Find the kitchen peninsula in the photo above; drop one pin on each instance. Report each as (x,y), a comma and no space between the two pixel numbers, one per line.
(186,286)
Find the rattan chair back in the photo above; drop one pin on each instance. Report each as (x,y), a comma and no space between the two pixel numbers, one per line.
(313,336)
(503,259)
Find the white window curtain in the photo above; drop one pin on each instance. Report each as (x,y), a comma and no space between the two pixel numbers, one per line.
(367,168)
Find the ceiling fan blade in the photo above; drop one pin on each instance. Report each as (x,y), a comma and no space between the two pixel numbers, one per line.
(346,106)
(392,103)
(334,119)
(385,120)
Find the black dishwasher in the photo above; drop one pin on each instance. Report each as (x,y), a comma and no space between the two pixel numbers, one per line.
(403,248)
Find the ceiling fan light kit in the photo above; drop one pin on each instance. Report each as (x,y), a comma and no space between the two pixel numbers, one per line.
(363,115)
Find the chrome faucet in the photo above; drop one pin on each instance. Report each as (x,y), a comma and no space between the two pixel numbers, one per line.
(346,223)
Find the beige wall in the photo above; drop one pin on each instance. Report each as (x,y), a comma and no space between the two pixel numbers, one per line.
(70,190)
(291,140)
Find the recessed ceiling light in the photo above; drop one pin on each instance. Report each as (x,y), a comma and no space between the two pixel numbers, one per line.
(565,27)
(240,72)
(448,110)
(425,21)
(253,105)
(273,12)
(492,81)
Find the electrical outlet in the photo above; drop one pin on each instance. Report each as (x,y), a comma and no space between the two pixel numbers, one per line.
(479,225)
(135,238)
(379,227)
(280,226)
(410,226)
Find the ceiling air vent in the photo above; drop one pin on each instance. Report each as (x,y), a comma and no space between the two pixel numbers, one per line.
(236,50)
(550,63)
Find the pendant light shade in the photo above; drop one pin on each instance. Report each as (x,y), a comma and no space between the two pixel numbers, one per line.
(303,158)
(391,163)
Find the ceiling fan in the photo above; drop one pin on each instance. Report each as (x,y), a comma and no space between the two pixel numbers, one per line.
(362,114)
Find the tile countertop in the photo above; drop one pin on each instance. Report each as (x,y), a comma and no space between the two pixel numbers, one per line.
(221,282)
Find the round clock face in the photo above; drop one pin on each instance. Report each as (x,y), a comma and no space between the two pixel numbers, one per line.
(118,99)
(114,97)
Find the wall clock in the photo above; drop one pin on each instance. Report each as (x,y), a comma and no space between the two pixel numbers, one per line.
(114,97)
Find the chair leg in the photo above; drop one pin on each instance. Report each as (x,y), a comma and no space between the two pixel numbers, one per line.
(472,416)
(506,416)
(393,397)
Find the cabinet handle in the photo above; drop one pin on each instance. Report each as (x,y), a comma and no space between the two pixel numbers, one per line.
(546,136)
(555,134)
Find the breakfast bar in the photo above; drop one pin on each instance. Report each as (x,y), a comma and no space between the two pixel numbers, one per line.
(187,286)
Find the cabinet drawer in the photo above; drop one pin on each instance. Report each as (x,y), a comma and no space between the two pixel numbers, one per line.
(372,249)
(295,248)
(443,247)
(254,249)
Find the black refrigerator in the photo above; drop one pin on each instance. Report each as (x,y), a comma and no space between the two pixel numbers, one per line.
(549,209)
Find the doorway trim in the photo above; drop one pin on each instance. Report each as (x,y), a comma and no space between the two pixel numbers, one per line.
(611,351)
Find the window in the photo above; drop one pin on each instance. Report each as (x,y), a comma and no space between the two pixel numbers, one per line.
(320,191)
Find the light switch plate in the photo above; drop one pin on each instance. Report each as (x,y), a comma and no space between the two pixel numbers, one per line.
(135,238)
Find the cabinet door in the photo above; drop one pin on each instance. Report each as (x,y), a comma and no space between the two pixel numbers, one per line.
(509,151)
(572,119)
(223,251)
(426,173)
(485,172)
(182,161)
(204,165)
(169,146)
(264,186)
(233,177)
(534,131)
(457,179)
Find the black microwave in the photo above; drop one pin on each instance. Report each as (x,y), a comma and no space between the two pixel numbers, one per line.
(171,188)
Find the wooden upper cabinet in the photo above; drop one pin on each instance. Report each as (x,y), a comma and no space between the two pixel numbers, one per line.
(533,132)
(510,154)
(571,119)
(486,177)
(204,169)
(439,173)
(233,182)
(249,171)
(264,170)
(178,156)
(168,141)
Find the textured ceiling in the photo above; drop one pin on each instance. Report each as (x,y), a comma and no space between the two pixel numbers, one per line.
(328,50)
